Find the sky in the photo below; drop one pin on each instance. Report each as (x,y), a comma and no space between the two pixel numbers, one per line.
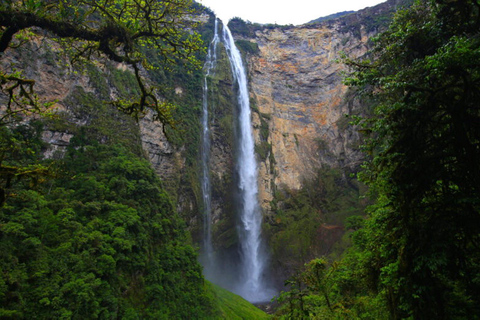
(283,11)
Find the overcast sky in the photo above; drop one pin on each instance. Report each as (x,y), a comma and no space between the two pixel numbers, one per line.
(283,11)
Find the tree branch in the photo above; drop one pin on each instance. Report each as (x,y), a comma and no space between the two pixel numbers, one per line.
(7,37)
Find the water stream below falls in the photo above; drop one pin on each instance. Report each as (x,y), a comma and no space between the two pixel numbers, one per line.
(250,281)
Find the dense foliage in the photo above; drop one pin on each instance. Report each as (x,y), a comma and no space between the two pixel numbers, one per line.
(307,222)
(101,240)
(416,256)
(425,168)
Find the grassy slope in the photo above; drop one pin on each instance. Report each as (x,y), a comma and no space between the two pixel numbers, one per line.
(232,306)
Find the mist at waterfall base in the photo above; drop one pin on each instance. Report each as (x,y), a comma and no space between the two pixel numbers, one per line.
(244,272)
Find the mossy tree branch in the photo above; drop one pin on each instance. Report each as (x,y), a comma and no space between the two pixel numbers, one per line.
(117,29)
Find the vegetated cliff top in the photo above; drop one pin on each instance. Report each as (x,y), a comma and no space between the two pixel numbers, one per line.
(331,16)
(372,18)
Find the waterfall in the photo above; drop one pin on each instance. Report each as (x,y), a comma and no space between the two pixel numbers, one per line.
(245,279)
(251,284)
(208,259)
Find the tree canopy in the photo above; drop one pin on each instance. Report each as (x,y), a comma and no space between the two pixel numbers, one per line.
(423,79)
(416,254)
(101,240)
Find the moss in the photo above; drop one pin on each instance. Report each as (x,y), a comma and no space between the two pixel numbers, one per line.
(296,139)
(124,81)
(226,129)
(60,123)
(50,57)
(266,116)
(263,150)
(272,166)
(345,41)
(343,122)
(321,144)
(227,236)
(247,47)
(264,129)
(98,80)
(103,122)
(330,196)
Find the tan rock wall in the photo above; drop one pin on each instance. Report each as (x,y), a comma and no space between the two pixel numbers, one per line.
(296,81)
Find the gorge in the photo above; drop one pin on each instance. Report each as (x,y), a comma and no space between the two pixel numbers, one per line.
(298,105)
(259,172)
(296,101)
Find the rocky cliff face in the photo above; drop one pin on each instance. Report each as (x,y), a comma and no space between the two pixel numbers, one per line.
(296,84)
(81,94)
(301,103)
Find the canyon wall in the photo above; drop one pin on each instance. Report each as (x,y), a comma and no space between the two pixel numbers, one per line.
(296,85)
(300,103)
(298,106)
(306,148)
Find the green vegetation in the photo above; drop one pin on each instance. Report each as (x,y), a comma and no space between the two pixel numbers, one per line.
(326,290)
(416,253)
(424,169)
(247,29)
(100,240)
(222,102)
(242,28)
(19,158)
(118,31)
(294,231)
(263,149)
(372,19)
(234,307)
(94,234)
(331,17)
(247,47)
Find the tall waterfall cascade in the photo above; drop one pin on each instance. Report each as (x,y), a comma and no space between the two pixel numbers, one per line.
(208,257)
(250,281)
(252,285)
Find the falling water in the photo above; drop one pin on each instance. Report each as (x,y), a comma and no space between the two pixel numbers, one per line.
(208,258)
(251,285)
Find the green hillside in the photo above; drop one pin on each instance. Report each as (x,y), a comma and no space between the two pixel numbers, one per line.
(234,307)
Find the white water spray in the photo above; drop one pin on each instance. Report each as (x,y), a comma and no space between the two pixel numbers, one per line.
(208,258)
(252,285)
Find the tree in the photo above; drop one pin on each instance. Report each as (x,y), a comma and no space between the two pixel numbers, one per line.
(120,30)
(424,140)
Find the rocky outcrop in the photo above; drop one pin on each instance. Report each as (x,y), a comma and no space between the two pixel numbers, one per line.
(222,105)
